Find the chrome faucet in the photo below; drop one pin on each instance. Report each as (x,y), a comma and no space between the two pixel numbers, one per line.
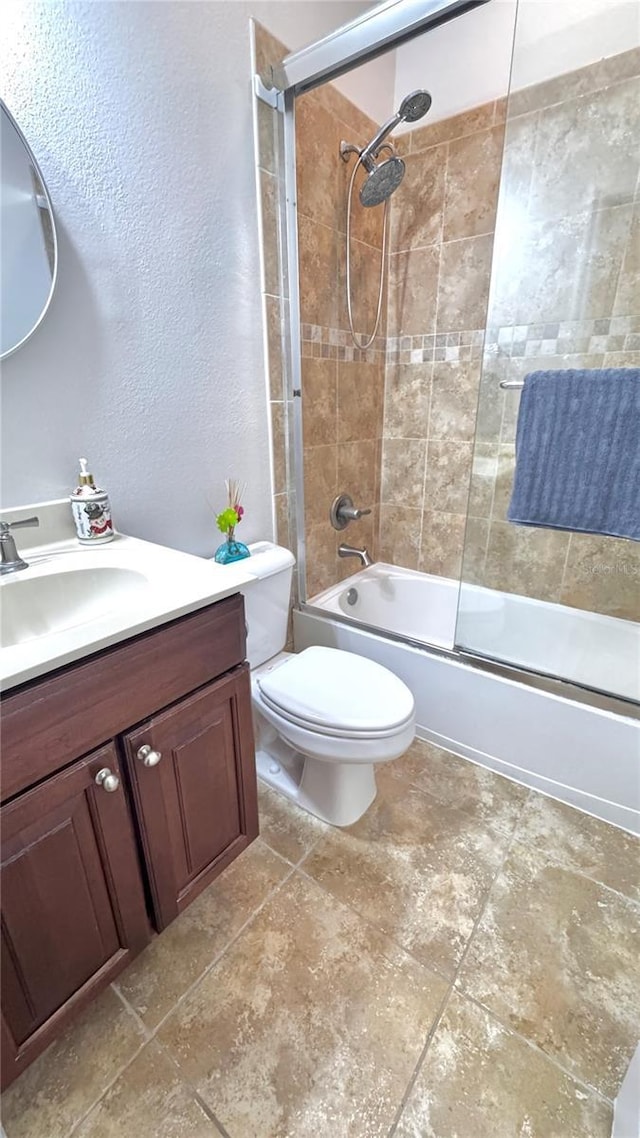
(350,551)
(10,559)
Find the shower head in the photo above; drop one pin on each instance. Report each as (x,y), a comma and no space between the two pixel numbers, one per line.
(382,180)
(414,106)
(386,177)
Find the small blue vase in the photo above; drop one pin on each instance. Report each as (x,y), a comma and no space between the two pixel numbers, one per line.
(231,550)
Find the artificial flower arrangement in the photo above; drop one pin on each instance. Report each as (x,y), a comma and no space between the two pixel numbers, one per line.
(227,520)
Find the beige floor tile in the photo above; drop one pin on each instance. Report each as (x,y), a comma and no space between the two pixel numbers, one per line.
(286,828)
(311,1024)
(592,847)
(176,958)
(417,869)
(555,957)
(480,1081)
(463,784)
(63,1083)
(149,1100)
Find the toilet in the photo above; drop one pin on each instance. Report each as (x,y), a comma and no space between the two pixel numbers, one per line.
(323,717)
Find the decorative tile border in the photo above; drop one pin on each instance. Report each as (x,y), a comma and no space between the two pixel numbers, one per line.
(319,342)
(567,337)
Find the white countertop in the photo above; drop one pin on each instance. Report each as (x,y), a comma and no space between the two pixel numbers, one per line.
(167,584)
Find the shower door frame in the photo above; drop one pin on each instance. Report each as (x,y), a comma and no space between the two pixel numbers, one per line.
(384,28)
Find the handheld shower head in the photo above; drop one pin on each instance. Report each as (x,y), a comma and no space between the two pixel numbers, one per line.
(385,177)
(414,106)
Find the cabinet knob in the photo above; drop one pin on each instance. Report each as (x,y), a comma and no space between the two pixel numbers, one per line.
(148,757)
(107,780)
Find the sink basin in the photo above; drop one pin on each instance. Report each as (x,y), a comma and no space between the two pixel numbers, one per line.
(72,600)
(39,606)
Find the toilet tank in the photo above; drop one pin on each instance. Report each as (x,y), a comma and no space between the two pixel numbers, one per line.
(266,600)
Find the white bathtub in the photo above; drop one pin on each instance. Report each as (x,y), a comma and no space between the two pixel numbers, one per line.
(582,755)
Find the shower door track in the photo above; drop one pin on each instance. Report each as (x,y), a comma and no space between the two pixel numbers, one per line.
(552,685)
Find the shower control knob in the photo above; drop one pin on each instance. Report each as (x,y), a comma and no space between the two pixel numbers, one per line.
(343,511)
(148,757)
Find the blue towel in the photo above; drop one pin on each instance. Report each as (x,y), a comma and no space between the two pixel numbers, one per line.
(578,452)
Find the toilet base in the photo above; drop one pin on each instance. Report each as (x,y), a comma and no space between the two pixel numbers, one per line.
(338,793)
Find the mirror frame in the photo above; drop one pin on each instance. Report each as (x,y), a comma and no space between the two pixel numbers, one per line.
(54,276)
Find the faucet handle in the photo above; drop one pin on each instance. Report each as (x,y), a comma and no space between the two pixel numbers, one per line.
(23,524)
(343,511)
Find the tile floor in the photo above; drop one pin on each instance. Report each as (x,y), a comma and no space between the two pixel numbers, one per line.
(462,963)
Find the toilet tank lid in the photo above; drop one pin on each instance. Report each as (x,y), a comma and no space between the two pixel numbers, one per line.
(268,558)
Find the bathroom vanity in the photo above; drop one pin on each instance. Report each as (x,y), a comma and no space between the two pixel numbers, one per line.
(128,784)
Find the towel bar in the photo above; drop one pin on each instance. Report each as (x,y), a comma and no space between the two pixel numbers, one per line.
(512,384)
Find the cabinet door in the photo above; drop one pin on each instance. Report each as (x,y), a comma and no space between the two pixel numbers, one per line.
(73,909)
(192,769)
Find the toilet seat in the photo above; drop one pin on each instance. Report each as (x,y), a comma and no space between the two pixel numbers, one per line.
(326,691)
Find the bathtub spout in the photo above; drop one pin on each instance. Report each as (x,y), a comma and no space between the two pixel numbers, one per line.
(350,551)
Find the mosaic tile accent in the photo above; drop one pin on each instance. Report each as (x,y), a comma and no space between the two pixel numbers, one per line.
(320,342)
(592,337)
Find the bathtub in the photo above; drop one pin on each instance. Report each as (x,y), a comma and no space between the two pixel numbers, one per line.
(586,756)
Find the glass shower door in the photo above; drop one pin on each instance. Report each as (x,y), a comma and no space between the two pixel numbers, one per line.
(565,293)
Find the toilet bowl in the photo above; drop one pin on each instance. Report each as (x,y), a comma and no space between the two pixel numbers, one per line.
(323,718)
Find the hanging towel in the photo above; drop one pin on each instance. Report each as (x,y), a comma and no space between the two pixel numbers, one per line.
(578,452)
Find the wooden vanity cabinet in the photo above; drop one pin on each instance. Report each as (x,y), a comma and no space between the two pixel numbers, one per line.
(195,815)
(91,862)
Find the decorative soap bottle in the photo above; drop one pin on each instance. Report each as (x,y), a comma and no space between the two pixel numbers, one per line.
(91,510)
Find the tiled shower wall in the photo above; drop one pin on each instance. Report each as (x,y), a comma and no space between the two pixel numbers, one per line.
(441,228)
(565,294)
(342,386)
(395,426)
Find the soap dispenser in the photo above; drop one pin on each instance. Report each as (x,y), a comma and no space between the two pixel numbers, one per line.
(91,510)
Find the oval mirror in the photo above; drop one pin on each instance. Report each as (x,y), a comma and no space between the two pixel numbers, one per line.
(27,238)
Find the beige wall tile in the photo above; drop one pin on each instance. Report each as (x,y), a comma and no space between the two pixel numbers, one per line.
(403,463)
(463,287)
(283,533)
(476,537)
(446,486)
(322,559)
(269,50)
(317,149)
(536,283)
(526,560)
(317,250)
(454,400)
(274,347)
(407,399)
(504,480)
(478,118)
(416,213)
(627,299)
(399,536)
(593,77)
(278,443)
(483,477)
(473,178)
(267,138)
(357,472)
(442,543)
(602,574)
(320,483)
(360,396)
(366,221)
(413,292)
(269,208)
(319,402)
(588,152)
(366,266)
